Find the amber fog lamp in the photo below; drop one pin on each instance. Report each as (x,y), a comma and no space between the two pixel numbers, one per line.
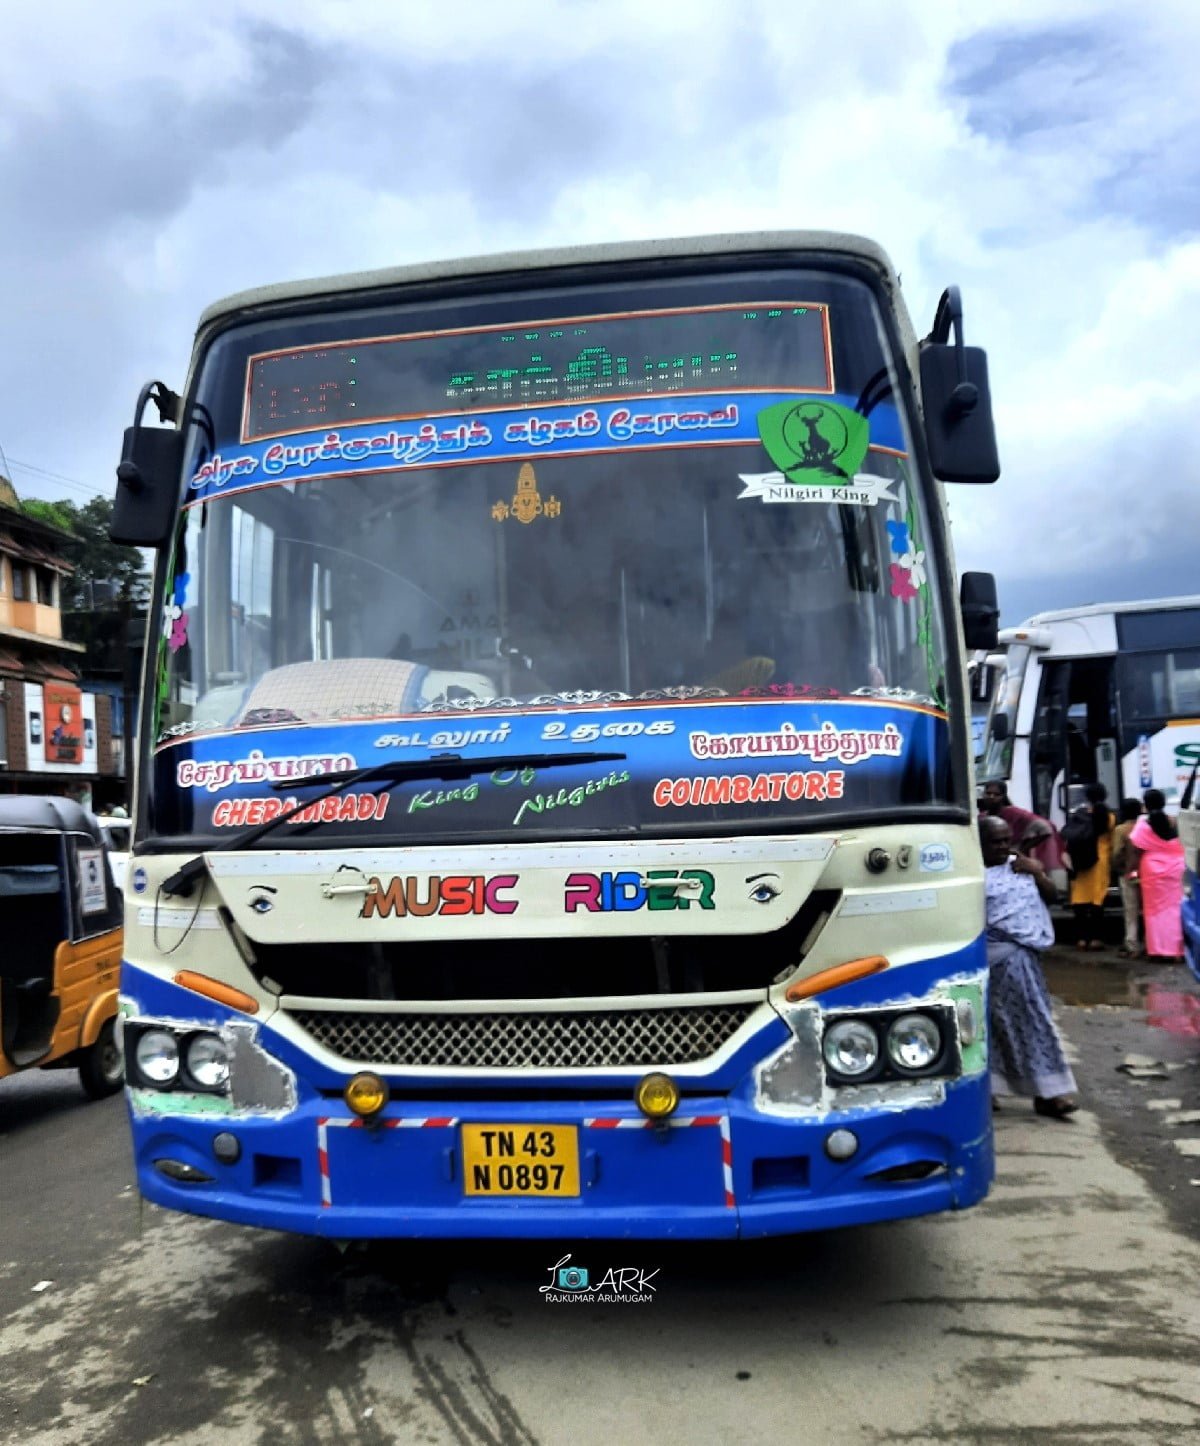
(657,1096)
(366,1094)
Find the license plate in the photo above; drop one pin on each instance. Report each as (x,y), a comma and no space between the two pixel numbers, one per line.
(520,1159)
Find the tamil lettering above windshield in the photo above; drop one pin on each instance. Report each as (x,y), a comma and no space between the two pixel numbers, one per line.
(689,533)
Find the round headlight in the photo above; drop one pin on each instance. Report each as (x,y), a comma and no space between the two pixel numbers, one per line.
(208,1061)
(968,1020)
(851,1047)
(914,1041)
(157,1056)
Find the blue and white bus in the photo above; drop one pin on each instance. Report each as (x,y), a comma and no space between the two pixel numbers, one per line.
(1108,693)
(555,809)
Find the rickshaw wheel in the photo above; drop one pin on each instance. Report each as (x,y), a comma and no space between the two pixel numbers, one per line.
(102,1067)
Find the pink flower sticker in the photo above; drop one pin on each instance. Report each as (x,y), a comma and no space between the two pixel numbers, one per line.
(178,635)
(902,583)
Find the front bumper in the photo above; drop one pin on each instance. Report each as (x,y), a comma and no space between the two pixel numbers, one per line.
(724,1168)
(729,1173)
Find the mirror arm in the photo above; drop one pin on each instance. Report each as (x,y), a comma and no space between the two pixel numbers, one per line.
(164,398)
(129,474)
(949,316)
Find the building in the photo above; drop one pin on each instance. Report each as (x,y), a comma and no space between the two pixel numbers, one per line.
(56,734)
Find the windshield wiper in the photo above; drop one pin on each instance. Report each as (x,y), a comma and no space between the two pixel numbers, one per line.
(393,771)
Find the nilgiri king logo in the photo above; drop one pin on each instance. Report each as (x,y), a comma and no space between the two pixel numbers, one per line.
(814,443)
(818,447)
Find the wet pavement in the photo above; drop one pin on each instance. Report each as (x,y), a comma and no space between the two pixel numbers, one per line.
(1134,1027)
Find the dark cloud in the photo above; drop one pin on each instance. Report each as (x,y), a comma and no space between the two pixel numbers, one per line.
(85,163)
(1091,93)
(1167,574)
(1018,83)
(1162,191)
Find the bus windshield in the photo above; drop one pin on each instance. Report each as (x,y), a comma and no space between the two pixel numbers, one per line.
(678,516)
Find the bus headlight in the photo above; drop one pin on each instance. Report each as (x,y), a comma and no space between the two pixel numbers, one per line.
(157,1056)
(968,1020)
(851,1048)
(914,1042)
(208,1061)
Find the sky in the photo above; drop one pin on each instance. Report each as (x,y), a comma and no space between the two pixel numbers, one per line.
(154,157)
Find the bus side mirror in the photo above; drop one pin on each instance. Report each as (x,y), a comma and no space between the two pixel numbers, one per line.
(959,429)
(999,729)
(980,610)
(148,474)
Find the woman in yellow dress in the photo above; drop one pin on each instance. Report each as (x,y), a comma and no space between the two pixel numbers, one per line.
(1089,886)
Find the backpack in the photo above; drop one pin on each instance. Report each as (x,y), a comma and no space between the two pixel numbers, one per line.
(1079,838)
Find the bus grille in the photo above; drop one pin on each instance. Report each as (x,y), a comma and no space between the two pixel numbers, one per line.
(596,1039)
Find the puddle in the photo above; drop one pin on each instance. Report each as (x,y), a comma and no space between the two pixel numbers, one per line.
(1175,1012)
(1090,981)
(1094,981)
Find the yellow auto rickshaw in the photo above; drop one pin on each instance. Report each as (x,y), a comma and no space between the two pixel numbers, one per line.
(60,943)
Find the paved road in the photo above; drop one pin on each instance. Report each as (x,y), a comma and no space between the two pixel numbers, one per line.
(1065,1309)
(1115,1012)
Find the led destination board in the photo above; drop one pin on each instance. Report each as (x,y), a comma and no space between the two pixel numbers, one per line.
(776,345)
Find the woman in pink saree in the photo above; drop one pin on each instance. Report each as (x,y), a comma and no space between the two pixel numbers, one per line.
(1155,855)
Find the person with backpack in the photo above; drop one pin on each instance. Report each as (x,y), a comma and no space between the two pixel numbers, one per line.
(1088,838)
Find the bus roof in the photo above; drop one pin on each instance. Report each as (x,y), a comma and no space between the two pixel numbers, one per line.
(854,247)
(1091,610)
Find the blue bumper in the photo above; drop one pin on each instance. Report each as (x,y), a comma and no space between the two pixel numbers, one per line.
(724,1168)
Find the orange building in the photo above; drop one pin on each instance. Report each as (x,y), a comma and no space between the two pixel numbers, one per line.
(55,735)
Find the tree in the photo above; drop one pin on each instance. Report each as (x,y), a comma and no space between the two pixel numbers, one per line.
(106,573)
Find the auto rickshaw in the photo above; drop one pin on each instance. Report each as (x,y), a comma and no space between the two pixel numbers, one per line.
(60,943)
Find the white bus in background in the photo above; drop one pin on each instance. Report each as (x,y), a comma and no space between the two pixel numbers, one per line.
(1109,692)
(983,672)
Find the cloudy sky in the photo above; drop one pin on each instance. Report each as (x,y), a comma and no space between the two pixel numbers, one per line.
(154,157)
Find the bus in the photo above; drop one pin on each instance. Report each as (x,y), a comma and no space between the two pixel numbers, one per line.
(1189,833)
(554,812)
(983,670)
(1106,693)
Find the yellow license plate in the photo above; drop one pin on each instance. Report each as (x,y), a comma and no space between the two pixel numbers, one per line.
(520,1159)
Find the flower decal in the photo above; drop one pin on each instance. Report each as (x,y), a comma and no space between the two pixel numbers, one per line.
(914,562)
(902,583)
(908,571)
(898,531)
(175,622)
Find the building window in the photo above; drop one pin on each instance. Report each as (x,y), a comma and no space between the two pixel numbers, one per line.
(19,582)
(3,729)
(45,587)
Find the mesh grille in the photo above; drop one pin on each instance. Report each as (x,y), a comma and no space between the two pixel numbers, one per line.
(515,1041)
